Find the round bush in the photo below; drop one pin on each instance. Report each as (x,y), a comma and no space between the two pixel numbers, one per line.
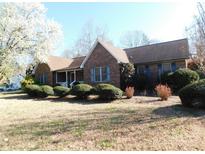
(35,91)
(82,91)
(183,77)
(61,91)
(48,90)
(108,92)
(193,94)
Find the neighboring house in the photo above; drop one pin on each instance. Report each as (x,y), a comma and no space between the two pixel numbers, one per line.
(101,64)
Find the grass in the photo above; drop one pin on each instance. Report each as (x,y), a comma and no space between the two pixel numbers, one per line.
(105,143)
(140,123)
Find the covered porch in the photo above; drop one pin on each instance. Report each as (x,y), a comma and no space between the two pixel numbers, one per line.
(66,77)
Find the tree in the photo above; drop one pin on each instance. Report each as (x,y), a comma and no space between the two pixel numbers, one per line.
(88,35)
(134,38)
(127,71)
(26,36)
(67,53)
(196,34)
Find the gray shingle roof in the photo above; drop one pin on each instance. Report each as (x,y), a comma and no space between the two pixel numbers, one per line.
(171,50)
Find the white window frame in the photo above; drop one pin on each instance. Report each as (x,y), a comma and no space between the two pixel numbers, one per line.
(170,67)
(100,71)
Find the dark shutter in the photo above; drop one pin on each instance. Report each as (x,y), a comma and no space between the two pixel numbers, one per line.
(174,67)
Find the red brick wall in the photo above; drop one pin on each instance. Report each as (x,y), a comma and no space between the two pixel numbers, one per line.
(100,57)
(44,68)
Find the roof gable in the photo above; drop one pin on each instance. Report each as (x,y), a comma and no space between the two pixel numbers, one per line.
(117,53)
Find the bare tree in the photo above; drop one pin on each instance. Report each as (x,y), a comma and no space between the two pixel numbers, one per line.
(67,53)
(196,33)
(88,35)
(134,38)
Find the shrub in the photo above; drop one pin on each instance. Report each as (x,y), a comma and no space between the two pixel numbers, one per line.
(48,90)
(141,82)
(163,91)
(35,91)
(193,94)
(82,91)
(108,92)
(28,80)
(127,71)
(183,77)
(201,74)
(166,78)
(61,91)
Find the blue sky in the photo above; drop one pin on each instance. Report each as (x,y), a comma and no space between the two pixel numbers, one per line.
(161,21)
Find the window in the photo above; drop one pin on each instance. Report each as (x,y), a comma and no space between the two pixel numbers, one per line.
(45,77)
(97,74)
(100,74)
(39,78)
(167,67)
(104,73)
(160,71)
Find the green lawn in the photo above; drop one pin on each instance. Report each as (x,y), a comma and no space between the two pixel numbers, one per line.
(141,123)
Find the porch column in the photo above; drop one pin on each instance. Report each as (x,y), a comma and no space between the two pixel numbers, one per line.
(74,75)
(66,78)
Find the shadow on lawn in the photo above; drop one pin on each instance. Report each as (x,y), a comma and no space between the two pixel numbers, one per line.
(101,120)
(178,110)
(106,120)
(54,99)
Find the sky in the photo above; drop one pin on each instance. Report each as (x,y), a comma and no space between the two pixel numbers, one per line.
(161,21)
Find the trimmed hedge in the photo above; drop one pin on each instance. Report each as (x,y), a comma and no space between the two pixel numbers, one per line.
(166,78)
(201,74)
(48,90)
(81,91)
(61,91)
(193,94)
(35,91)
(108,92)
(181,78)
(39,91)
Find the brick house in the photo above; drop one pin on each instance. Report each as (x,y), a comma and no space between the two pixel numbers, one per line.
(101,64)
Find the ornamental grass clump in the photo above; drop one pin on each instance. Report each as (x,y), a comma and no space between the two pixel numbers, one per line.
(163,91)
(129,91)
